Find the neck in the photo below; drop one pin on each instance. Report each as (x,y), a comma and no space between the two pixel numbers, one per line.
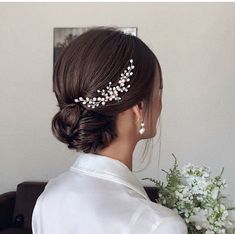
(120,150)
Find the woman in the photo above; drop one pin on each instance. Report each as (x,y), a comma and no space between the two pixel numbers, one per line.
(109,86)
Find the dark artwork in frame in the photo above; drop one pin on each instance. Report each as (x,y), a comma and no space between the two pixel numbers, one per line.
(63,36)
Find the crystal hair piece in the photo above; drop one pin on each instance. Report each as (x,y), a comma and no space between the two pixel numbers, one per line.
(109,93)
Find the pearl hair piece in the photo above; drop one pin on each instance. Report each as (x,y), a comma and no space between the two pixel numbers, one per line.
(112,92)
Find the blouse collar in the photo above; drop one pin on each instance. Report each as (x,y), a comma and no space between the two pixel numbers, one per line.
(108,168)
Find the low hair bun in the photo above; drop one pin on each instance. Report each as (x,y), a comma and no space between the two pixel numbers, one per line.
(83,129)
(65,122)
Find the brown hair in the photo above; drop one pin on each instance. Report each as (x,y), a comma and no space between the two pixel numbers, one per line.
(87,64)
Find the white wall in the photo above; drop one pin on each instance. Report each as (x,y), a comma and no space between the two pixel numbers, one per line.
(194,43)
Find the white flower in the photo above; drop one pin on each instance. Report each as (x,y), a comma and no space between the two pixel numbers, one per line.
(199,216)
(209,232)
(214,193)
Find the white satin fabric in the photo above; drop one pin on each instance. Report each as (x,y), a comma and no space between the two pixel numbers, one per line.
(100,195)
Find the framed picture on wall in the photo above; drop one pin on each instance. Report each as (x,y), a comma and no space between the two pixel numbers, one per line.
(63,36)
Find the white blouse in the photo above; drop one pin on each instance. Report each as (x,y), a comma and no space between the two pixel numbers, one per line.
(100,195)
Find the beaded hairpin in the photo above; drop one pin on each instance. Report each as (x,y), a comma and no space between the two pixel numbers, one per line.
(112,92)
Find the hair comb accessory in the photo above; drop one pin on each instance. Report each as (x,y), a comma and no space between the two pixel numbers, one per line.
(109,93)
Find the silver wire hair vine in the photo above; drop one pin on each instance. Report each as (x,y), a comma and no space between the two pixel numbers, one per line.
(111,92)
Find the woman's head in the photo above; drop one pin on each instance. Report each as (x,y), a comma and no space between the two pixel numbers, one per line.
(89,63)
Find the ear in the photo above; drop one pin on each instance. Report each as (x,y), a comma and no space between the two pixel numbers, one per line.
(138,111)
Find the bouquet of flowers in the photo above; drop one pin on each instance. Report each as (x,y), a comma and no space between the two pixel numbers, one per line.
(198,198)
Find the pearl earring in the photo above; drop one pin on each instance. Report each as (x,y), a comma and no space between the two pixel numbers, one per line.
(142,129)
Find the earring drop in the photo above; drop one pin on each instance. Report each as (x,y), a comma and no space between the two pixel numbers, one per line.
(142,129)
